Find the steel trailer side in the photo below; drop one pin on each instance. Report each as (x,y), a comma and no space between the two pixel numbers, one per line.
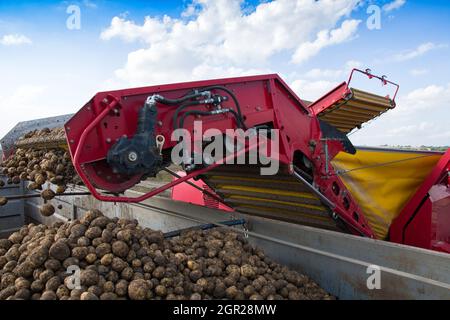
(338,262)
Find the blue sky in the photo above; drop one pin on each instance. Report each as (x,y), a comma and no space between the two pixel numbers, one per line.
(48,69)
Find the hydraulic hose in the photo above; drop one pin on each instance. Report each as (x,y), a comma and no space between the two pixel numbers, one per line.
(181,108)
(168,101)
(235,100)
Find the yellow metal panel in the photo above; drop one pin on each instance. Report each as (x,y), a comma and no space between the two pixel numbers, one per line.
(371,98)
(383,181)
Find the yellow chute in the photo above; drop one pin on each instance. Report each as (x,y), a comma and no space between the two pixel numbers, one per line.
(382,181)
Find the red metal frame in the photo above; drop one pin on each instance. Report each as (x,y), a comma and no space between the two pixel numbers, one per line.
(371,76)
(343,90)
(264,99)
(186,193)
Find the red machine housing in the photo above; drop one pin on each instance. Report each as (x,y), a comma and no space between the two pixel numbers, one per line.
(264,99)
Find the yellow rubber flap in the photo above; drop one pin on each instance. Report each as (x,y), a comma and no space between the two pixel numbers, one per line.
(382,181)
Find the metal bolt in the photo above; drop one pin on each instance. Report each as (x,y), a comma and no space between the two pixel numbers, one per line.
(132,156)
(108,140)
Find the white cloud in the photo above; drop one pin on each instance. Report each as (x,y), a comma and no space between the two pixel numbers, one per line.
(316,82)
(426,98)
(420,118)
(410,129)
(25,102)
(419,51)
(25,95)
(89,4)
(326,38)
(418,72)
(14,40)
(394,5)
(312,90)
(221,35)
(335,74)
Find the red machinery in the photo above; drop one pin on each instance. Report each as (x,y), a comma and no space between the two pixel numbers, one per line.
(122,137)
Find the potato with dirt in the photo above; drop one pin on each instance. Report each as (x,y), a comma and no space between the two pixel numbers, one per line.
(118,259)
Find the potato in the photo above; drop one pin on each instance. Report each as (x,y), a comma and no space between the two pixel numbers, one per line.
(23,294)
(38,256)
(161,291)
(138,290)
(100,222)
(47,210)
(102,249)
(93,232)
(108,296)
(3,201)
(121,288)
(120,249)
(47,194)
(90,216)
(89,277)
(60,189)
(231,292)
(5,244)
(25,269)
(118,259)
(195,296)
(59,250)
(22,283)
(7,292)
(88,296)
(53,283)
(48,295)
(80,252)
(90,258)
(118,264)
(248,271)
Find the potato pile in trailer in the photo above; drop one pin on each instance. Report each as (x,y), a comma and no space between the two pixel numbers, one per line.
(328,204)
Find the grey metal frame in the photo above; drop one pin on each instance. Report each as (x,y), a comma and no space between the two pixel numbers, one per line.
(7,142)
(12,214)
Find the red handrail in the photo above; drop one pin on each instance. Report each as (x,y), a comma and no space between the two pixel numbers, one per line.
(368,73)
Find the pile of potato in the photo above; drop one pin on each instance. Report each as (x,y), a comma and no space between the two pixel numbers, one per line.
(119,259)
(40,165)
(38,134)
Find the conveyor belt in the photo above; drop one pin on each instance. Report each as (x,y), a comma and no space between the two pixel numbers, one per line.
(280,197)
(351,112)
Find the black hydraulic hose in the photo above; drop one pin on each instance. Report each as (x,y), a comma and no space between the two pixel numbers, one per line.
(181,108)
(168,101)
(235,100)
(239,121)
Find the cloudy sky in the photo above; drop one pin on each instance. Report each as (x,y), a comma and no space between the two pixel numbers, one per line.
(50,65)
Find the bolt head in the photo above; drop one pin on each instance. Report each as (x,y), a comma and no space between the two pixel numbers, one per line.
(132,156)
